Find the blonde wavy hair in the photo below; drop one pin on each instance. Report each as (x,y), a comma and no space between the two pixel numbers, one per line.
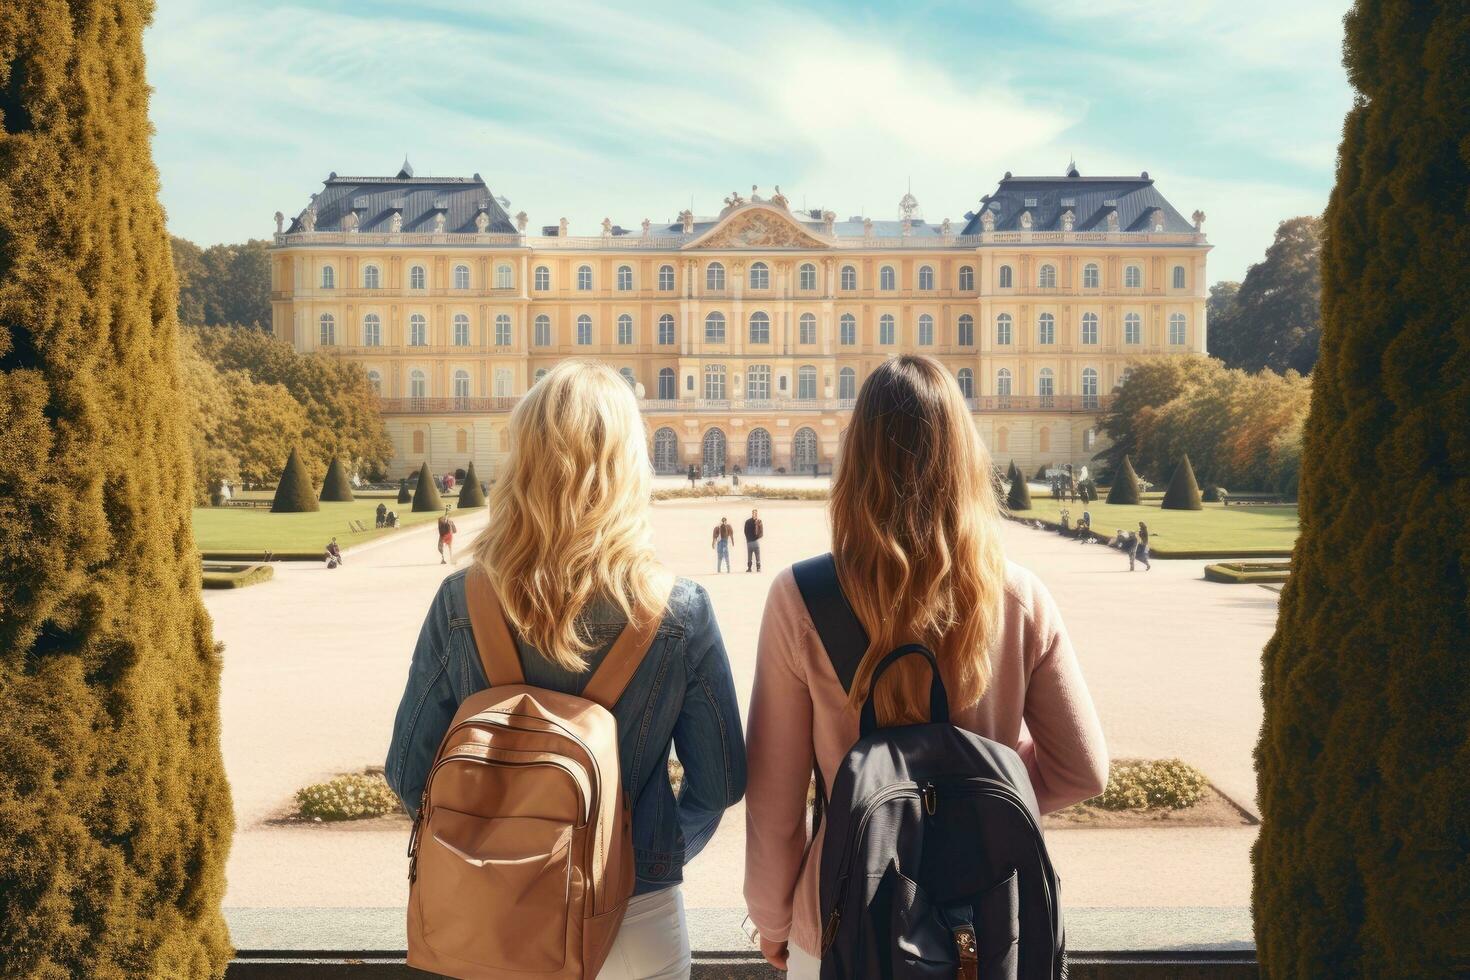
(569,514)
(916,536)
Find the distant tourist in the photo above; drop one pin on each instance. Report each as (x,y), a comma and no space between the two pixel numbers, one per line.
(333,556)
(382,514)
(754,531)
(692,476)
(723,536)
(1140,549)
(1084,527)
(448,481)
(224,490)
(392,519)
(446,537)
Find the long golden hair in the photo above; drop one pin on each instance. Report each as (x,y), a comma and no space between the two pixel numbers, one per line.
(916,536)
(569,514)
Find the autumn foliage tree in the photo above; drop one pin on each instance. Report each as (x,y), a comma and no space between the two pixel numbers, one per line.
(1363,764)
(115,815)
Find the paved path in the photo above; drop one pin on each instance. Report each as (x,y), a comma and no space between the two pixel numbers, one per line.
(315,662)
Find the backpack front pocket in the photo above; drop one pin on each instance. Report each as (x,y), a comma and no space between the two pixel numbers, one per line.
(495,890)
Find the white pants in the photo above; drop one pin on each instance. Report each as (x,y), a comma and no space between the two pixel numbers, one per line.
(801,965)
(653,943)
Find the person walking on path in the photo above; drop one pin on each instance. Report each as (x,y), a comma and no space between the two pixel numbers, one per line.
(691,476)
(723,536)
(754,531)
(1140,549)
(446,537)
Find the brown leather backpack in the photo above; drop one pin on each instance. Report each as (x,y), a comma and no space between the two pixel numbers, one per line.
(521,859)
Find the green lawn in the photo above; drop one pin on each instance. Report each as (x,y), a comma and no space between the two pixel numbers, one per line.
(1217,530)
(257,529)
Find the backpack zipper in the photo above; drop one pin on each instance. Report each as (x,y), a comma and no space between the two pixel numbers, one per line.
(885,795)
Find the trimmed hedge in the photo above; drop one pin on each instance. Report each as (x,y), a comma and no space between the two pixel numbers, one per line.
(470,494)
(1159,784)
(1125,489)
(351,797)
(336,488)
(405,495)
(1019,497)
(1183,492)
(426,495)
(294,494)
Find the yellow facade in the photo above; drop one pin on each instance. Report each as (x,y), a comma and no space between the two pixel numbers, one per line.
(754,332)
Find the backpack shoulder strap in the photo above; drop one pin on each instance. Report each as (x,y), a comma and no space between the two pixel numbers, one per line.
(497,648)
(842,635)
(607,683)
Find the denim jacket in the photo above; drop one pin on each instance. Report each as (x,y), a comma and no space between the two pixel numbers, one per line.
(682,695)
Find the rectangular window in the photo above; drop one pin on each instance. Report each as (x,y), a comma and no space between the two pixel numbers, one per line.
(504,385)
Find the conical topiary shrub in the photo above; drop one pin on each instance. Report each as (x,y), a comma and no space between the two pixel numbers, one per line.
(1012,472)
(1020,496)
(1125,485)
(470,494)
(426,495)
(294,493)
(1183,492)
(336,488)
(1211,495)
(405,495)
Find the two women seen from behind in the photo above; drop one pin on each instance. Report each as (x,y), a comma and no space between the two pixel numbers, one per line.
(916,539)
(568,556)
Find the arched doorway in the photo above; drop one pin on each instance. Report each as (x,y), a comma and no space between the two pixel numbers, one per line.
(758,451)
(665,451)
(804,451)
(714,452)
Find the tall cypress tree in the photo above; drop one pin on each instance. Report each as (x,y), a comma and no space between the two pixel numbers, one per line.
(115,814)
(1363,763)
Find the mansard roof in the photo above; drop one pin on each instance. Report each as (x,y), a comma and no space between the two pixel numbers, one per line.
(417,199)
(1088,198)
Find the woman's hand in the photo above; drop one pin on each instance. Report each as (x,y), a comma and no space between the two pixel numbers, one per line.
(774,952)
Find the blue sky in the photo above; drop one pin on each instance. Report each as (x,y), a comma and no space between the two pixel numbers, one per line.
(631,110)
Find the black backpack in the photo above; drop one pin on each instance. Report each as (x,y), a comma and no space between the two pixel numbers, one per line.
(933,863)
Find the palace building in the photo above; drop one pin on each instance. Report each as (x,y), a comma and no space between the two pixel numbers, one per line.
(745,334)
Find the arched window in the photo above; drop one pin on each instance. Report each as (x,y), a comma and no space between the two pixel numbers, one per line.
(584,330)
(804,451)
(713,452)
(1046,388)
(668,386)
(502,330)
(376,380)
(418,443)
(760,276)
(666,329)
(1132,329)
(1089,328)
(1046,329)
(1047,277)
(926,277)
(847,330)
(758,382)
(328,330)
(542,330)
(542,280)
(807,276)
(966,379)
(1089,388)
(926,330)
(1043,440)
(1090,277)
(758,451)
(1133,277)
(504,277)
(417,278)
(714,277)
(370,277)
(665,451)
(714,382)
(666,278)
(627,374)
(372,331)
(584,278)
(1003,330)
(966,331)
(1003,382)
(806,382)
(1176,329)
(887,279)
(967,279)
(625,278)
(806,332)
(1179,277)
(418,384)
(461,441)
(848,279)
(885,329)
(714,328)
(847,384)
(418,331)
(461,384)
(625,329)
(461,330)
(1005,277)
(329,277)
(760,328)
(461,277)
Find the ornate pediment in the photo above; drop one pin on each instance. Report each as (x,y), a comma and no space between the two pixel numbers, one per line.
(758,226)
